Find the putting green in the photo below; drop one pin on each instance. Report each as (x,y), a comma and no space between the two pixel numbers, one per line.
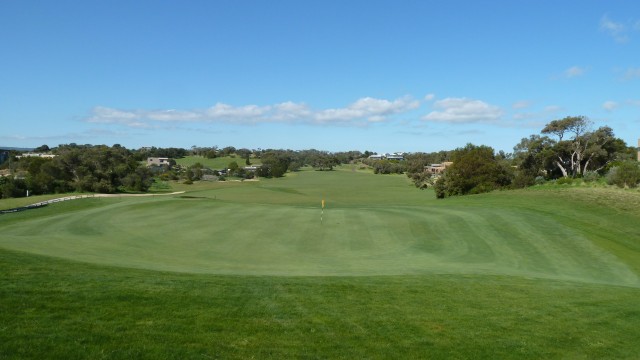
(373,225)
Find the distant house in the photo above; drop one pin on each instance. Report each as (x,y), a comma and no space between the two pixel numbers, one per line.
(395,156)
(438,168)
(41,155)
(252,168)
(158,161)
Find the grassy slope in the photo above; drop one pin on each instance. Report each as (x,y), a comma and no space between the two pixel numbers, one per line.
(373,225)
(67,309)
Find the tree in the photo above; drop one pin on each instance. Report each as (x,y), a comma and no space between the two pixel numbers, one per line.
(533,157)
(139,180)
(475,170)
(232,166)
(42,148)
(275,163)
(584,150)
(323,161)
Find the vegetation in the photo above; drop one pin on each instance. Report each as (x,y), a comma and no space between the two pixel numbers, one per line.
(627,174)
(77,168)
(475,170)
(545,272)
(578,152)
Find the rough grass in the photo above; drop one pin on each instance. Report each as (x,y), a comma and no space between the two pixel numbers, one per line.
(389,273)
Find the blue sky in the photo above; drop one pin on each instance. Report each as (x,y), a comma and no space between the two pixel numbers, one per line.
(333,75)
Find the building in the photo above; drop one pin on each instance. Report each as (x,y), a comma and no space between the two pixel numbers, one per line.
(41,155)
(252,168)
(395,156)
(438,168)
(158,161)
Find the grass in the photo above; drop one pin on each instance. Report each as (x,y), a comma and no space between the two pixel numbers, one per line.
(62,309)
(246,270)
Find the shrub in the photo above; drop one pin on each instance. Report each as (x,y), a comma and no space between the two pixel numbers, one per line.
(564,181)
(540,180)
(590,176)
(522,180)
(627,174)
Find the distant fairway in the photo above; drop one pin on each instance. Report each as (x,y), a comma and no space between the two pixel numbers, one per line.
(373,225)
(247,270)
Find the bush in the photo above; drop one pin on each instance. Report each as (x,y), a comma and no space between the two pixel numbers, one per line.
(540,180)
(590,176)
(564,181)
(627,174)
(522,180)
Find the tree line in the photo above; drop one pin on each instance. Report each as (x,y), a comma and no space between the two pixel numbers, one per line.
(111,169)
(80,168)
(564,149)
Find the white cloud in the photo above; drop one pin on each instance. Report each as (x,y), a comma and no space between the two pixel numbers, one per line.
(429,97)
(574,71)
(631,73)
(553,109)
(373,110)
(522,104)
(617,30)
(463,110)
(535,118)
(363,110)
(610,105)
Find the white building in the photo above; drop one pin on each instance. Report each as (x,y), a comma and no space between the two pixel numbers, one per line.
(157,161)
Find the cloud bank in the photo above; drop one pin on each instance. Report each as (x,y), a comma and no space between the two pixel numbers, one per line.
(463,110)
(362,111)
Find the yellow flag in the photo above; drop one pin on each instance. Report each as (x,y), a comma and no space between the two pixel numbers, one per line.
(323,203)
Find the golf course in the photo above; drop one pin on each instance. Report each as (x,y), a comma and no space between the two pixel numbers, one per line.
(324,264)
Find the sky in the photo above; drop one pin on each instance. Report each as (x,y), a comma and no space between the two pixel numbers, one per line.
(334,75)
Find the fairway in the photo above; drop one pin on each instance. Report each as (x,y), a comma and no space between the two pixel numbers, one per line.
(372,225)
(248,270)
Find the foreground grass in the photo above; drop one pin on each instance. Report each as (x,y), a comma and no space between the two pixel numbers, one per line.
(59,309)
